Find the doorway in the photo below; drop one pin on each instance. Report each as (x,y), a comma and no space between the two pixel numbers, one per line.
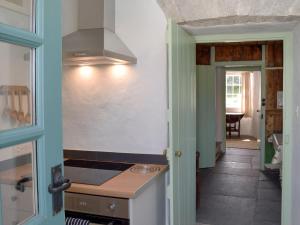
(243,108)
(237,175)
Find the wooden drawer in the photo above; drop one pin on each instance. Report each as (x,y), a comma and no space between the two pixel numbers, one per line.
(97,205)
(15,217)
(14,199)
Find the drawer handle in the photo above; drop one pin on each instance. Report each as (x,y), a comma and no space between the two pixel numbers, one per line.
(20,186)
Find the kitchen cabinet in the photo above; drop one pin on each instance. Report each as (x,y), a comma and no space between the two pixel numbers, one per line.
(149,207)
(146,205)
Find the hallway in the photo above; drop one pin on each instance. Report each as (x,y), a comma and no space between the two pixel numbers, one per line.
(236,192)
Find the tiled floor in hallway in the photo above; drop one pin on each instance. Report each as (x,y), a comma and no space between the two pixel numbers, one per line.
(235,192)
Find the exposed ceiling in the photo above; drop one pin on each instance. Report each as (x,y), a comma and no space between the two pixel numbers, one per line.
(200,16)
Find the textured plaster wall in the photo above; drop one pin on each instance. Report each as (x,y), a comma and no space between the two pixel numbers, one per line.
(296,141)
(201,17)
(122,108)
(230,11)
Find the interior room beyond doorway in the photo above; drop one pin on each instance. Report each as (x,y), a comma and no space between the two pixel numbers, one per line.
(242,97)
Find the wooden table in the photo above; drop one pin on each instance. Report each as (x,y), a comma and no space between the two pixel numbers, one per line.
(233,123)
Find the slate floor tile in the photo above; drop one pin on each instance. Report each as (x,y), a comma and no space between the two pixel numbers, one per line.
(226,210)
(266,184)
(255,163)
(239,172)
(237,158)
(235,165)
(266,223)
(231,151)
(267,211)
(269,194)
(230,185)
(235,192)
(263,176)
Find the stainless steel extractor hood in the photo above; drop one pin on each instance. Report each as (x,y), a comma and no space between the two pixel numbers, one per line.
(96,42)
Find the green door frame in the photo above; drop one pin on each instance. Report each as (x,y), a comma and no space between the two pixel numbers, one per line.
(288,77)
(47,131)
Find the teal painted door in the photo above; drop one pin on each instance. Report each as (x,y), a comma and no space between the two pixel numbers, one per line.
(206,115)
(30,110)
(182,126)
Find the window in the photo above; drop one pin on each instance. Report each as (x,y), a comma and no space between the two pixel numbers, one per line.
(234,90)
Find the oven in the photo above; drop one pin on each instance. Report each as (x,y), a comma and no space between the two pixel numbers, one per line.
(97,210)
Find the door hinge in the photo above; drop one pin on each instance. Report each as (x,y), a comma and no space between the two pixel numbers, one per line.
(168,192)
(166,153)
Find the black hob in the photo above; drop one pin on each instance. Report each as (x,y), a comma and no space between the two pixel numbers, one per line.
(92,172)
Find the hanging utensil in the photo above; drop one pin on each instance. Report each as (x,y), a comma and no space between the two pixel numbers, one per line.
(6,109)
(13,111)
(28,115)
(21,115)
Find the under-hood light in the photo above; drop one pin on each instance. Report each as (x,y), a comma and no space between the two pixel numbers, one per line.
(86,71)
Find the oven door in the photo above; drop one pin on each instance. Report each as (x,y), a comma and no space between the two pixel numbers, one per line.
(97,220)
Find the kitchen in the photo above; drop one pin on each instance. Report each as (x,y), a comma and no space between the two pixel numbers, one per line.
(105,103)
(98,100)
(113,182)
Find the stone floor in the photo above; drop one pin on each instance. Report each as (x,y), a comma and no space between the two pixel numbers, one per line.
(235,192)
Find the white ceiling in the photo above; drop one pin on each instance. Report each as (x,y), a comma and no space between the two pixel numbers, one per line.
(203,16)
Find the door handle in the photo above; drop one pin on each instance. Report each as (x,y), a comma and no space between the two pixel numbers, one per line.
(66,184)
(56,188)
(178,153)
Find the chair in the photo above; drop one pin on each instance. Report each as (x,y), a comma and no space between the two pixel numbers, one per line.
(233,123)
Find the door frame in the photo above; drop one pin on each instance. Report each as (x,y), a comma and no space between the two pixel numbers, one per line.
(248,66)
(288,77)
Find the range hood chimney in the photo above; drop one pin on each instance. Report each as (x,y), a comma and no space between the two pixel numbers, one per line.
(96,42)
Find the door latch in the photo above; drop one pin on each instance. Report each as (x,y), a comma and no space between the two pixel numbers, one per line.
(263,102)
(56,188)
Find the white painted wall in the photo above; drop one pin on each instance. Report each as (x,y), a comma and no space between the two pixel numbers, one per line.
(122,109)
(250,125)
(296,124)
(256,104)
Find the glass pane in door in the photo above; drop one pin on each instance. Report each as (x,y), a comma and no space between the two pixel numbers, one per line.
(18,183)
(16,86)
(17,13)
